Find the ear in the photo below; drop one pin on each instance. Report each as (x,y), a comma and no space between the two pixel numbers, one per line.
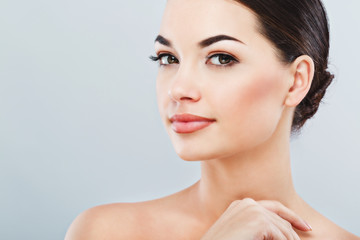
(301,76)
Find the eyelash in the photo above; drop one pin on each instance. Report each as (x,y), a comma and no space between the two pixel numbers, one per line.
(161,55)
(232,59)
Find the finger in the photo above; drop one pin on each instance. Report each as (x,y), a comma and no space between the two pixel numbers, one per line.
(286,228)
(282,225)
(287,214)
(296,236)
(277,234)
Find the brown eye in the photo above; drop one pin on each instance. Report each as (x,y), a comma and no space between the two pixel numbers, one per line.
(222,59)
(166,59)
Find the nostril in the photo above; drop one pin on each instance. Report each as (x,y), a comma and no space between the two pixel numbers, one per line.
(186,98)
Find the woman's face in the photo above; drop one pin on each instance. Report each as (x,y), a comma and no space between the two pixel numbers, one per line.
(235,80)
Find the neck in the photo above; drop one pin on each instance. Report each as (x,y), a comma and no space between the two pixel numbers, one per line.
(263,173)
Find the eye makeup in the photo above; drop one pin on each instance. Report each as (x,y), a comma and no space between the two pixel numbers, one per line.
(217,59)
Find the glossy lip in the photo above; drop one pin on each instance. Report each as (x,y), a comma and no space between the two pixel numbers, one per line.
(188,123)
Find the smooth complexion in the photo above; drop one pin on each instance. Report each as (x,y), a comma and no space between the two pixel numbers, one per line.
(215,64)
(246,151)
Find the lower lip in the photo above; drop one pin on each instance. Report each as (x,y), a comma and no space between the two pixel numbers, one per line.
(189,127)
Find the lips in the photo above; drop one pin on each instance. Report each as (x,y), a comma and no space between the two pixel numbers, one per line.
(188,123)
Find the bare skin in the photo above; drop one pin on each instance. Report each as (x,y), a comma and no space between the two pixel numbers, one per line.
(173,217)
(244,153)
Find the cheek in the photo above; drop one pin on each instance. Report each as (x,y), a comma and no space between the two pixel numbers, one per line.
(161,93)
(253,105)
(263,94)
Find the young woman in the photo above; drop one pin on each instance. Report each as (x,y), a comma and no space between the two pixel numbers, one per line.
(236,78)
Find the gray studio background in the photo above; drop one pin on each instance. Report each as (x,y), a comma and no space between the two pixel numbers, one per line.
(79,124)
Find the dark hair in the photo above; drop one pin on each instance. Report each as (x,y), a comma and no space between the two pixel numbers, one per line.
(298,27)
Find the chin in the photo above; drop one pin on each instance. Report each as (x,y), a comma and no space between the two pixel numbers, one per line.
(207,150)
(198,152)
(192,157)
(193,153)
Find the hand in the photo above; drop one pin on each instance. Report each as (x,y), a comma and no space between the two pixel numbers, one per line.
(250,220)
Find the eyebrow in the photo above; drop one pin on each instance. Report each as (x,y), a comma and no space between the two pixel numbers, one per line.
(163,41)
(204,43)
(211,40)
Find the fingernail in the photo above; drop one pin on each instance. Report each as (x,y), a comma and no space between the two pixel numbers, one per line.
(309,227)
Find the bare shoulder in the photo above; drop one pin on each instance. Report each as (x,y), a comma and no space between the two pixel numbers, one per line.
(338,233)
(111,221)
(154,219)
(335,232)
(324,228)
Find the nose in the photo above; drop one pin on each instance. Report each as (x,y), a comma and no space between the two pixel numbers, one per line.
(184,88)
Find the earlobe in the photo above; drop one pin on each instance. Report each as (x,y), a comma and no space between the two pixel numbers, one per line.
(302,73)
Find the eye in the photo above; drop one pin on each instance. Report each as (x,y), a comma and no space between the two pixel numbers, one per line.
(221,59)
(165,59)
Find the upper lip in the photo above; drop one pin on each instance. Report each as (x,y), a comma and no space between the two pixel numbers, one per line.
(185,117)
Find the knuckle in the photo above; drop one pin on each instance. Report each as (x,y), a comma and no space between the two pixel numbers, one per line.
(235,203)
(249,201)
(243,202)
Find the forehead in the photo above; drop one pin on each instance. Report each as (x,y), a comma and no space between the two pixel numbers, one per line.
(198,19)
